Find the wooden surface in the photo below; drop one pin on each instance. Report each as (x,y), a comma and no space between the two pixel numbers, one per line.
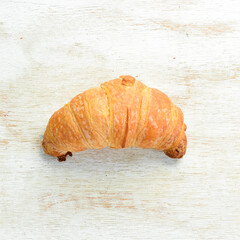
(52,50)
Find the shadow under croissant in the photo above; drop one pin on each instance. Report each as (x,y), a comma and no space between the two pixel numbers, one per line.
(175,152)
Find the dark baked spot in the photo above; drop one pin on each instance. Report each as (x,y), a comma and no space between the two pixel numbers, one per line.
(128,80)
(63,157)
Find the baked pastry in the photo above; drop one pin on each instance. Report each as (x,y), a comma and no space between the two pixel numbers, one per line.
(120,113)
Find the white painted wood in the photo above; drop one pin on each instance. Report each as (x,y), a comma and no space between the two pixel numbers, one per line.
(52,50)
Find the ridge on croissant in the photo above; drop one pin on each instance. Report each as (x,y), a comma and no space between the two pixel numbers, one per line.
(120,113)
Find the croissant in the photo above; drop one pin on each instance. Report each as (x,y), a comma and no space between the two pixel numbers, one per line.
(120,113)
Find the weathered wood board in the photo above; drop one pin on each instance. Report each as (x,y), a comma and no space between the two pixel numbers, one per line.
(52,50)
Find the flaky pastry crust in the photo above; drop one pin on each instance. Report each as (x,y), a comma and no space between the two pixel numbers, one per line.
(120,113)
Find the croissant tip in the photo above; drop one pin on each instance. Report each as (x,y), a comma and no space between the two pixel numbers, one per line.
(62,158)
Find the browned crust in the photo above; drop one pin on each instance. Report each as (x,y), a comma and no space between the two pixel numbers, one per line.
(179,150)
(121,113)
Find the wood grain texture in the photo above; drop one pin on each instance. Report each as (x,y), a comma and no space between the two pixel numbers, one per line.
(51,51)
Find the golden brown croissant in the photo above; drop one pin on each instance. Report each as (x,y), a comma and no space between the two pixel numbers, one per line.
(121,113)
